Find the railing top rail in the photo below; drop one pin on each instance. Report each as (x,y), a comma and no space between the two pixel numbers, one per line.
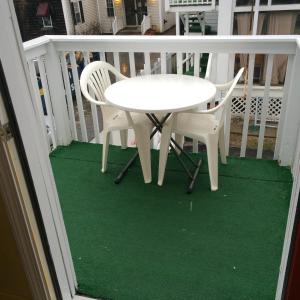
(216,44)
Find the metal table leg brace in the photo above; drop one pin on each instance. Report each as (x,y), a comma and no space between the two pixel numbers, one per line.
(158,127)
(192,176)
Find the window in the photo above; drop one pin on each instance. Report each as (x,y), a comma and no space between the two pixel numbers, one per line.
(43,12)
(274,2)
(110,8)
(77,12)
(244,2)
(47,22)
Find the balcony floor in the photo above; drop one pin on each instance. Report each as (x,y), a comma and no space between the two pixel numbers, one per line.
(135,241)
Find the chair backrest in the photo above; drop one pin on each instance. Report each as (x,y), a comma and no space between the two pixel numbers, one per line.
(94,80)
(224,104)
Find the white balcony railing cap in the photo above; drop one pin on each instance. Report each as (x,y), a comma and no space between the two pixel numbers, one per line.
(284,44)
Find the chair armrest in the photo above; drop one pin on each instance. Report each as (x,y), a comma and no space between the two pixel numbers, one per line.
(90,99)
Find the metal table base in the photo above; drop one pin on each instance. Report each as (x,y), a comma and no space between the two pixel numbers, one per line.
(158,128)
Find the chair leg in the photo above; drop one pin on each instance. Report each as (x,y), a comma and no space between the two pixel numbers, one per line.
(106,137)
(142,135)
(179,140)
(124,138)
(222,146)
(212,157)
(164,150)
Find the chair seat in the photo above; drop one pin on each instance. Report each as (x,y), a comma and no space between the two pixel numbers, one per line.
(119,121)
(193,125)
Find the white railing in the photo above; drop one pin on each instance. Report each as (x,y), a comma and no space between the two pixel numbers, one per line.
(190,2)
(146,24)
(117,25)
(68,111)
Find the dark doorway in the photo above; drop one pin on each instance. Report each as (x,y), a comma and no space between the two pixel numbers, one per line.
(134,10)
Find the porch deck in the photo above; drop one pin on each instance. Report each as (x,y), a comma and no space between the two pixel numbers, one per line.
(136,241)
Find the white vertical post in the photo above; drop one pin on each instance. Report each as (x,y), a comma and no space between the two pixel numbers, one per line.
(163,63)
(179,62)
(186,24)
(255,18)
(57,92)
(177,23)
(286,88)
(117,60)
(248,105)
(289,228)
(265,107)
(225,24)
(47,101)
(70,27)
(291,121)
(132,64)
(147,63)
(227,125)
(35,86)
(69,96)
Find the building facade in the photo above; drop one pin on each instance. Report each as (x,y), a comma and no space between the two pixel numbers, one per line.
(37,18)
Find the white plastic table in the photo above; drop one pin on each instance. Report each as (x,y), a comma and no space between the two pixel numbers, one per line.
(163,94)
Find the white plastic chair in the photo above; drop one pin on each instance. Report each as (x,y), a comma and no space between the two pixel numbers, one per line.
(206,126)
(94,80)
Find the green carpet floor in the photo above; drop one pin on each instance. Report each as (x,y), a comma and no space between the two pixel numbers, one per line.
(139,242)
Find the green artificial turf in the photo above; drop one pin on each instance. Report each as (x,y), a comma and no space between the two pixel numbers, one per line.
(134,241)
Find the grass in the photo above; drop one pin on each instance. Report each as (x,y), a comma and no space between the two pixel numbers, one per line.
(137,241)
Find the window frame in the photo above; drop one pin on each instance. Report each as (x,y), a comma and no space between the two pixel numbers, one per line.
(110,10)
(78,13)
(44,23)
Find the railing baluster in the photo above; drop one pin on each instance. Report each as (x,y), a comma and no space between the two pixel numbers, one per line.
(102,56)
(117,60)
(132,64)
(147,63)
(179,62)
(196,64)
(47,100)
(248,105)
(286,88)
(93,105)
(78,97)
(265,106)
(69,96)
(187,63)
(228,112)
(33,78)
(163,62)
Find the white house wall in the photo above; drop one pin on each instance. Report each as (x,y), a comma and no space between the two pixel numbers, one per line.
(153,12)
(168,16)
(105,21)
(211,19)
(90,11)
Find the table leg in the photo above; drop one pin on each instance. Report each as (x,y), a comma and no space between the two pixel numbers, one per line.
(158,128)
(123,172)
(192,176)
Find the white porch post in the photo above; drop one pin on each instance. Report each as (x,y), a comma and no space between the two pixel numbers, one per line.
(177,23)
(255,18)
(225,24)
(58,98)
(186,24)
(70,27)
(291,123)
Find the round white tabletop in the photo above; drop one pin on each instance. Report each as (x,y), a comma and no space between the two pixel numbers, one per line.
(162,93)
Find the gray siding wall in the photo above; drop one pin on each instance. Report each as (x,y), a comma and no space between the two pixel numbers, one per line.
(211,19)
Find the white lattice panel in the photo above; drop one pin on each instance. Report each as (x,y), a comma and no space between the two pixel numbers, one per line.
(274,109)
